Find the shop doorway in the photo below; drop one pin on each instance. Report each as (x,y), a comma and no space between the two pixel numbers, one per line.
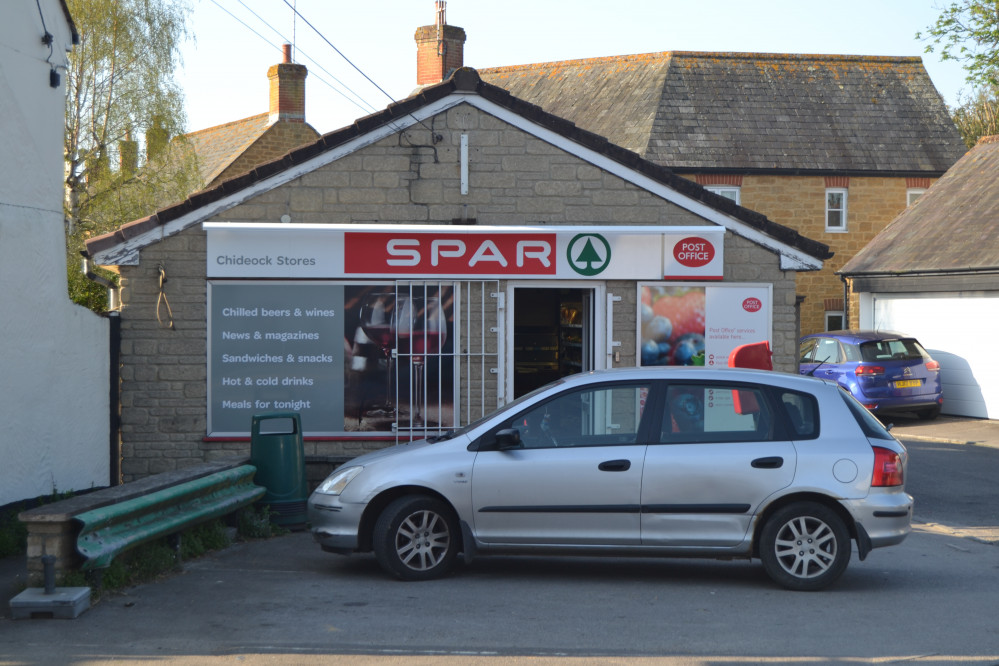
(552,335)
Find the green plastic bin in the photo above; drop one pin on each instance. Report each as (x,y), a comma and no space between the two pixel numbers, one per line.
(276,450)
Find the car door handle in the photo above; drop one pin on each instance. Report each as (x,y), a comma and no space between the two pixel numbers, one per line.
(772,462)
(614,466)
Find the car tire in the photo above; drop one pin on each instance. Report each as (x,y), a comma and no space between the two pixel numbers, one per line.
(805,546)
(416,538)
(928,414)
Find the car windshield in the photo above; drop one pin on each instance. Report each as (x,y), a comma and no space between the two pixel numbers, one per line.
(508,406)
(897,349)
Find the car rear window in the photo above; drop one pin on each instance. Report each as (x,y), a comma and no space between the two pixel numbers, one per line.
(803,414)
(867,421)
(898,349)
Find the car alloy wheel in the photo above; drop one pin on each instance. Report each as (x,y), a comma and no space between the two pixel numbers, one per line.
(416,538)
(805,546)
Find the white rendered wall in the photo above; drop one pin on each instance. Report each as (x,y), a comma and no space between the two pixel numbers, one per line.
(54,358)
(955,328)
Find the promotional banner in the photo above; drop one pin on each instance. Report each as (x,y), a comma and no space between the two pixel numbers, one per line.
(690,324)
(348,357)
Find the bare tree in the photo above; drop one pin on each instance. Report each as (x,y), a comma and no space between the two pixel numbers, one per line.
(978,116)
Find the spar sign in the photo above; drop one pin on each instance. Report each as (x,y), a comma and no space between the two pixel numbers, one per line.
(449,254)
(562,252)
(566,253)
(697,256)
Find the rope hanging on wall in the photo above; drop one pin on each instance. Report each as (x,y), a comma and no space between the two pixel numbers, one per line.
(162,300)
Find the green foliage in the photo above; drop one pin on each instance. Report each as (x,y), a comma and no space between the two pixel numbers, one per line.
(204,538)
(120,93)
(13,533)
(968,31)
(73,579)
(156,558)
(255,523)
(139,565)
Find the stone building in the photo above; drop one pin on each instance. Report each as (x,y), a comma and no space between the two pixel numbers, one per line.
(934,273)
(524,248)
(235,147)
(833,146)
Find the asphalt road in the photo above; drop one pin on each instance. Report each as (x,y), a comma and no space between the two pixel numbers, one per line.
(931,600)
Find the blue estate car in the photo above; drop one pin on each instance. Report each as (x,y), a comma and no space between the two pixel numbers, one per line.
(886,371)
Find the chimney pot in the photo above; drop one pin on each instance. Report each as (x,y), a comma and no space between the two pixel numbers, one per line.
(439,49)
(286,51)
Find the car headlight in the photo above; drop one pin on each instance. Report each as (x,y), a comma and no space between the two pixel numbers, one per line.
(338,480)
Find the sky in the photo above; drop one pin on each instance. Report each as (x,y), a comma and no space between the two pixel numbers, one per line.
(361,53)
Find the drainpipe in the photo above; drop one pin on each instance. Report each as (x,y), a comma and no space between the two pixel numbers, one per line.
(846,303)
(101,280)
(114,374)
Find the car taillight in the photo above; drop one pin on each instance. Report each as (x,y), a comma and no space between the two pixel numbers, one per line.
(887,468)
(932,365)
(869,370)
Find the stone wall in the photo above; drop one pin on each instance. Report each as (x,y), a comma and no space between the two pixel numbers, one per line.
(515,179)
(799,202)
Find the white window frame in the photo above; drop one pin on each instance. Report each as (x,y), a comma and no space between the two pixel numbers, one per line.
(733,192)
(834,313)
(912,194)
(842,227)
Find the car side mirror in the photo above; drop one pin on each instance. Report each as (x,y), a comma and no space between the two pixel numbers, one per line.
(508,438)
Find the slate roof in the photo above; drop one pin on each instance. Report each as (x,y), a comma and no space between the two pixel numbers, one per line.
(462,81)
(753,112)
(952,227)
(218,147)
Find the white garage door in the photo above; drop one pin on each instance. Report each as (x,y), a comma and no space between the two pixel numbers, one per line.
(958,330)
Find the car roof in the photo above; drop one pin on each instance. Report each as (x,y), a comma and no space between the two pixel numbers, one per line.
(694,373)
(857,336)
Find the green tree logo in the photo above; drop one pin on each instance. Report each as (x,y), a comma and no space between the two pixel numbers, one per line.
(588,254)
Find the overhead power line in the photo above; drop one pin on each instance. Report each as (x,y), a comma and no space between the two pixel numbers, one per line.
(340,53)
(366,107)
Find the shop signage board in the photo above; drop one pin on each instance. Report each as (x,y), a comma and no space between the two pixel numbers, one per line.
(700,324)
(433,251)
(275,347)
(695,256)
(287,309)
(325,349)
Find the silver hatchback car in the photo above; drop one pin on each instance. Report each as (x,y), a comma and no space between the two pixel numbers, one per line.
(677,462)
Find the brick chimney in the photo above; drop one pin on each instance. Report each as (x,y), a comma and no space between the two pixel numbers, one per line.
(128,155)
(287,90)
(440,49)
(157,139)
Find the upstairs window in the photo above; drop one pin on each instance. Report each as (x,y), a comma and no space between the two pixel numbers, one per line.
(836,209)
(727,191)
(912,194)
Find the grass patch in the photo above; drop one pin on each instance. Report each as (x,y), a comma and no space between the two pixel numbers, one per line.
(255,523)
(159,558)
(153,560)
(149,561)
(13,533)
